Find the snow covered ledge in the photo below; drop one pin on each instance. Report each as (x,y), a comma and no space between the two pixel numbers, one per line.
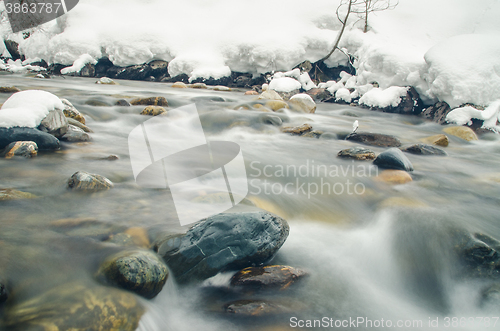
(464,116)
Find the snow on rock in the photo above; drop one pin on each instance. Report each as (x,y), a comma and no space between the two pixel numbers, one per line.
(464,115)
(18,66)
(79,64)
(28,108)
(465,69)
(302,102)
(284,84)
(303,78)
(382,98)
(343,94)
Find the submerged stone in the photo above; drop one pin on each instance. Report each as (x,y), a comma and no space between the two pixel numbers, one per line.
(222,242)
(153,111)
(393,158)
(439,140)
(11,194)
(75,134)
(152,101)
(357,153)
(268,277)
(374,139)
(26,149)
(83,181)
(298,130)
(255,308)
(423,149)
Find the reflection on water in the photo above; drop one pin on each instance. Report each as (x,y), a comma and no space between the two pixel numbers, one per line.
(373,250)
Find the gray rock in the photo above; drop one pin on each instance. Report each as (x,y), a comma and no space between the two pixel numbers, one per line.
(43,140)
(357,153)
(26,149)
(122,103)
(54,123)
(231,241)
(393,158)
(252,308)
(268,277)
(72,121)
(271,119)
(83,181)
(76,134)
(374,139)
(142,272)
(423,149)
(437,112)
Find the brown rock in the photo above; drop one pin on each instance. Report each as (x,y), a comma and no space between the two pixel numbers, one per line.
(298,130)
(394,177)
(9,89)
(251,93)
(139,236)
(462,132)
(179,85)
(152,101)
(276,104)
(11,194)
(21,148)
(71,112)
(83,181)
(374,139)
(153,110)
(357,153)
(198,85)
(275,276)
(439,140)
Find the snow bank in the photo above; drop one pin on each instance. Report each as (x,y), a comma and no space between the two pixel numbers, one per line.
(18,66)
(78,65)
(465,69)
(464,115)
(381,98)
(28,108)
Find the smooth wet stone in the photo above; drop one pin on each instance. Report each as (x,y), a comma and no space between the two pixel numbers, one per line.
(394,177)
(43,140)
(462,132)
(271,119)
(393,158)
(374,139)
(479,255)
(179,85)
(152,101)
(303,103)
(221,88)
(313,134)
(329,136)
(83,181)
(268,277)
(75,134)
(106,81)
(55,123)
(11,194)
(251,93)
(72,121)
(298,130)
(231,241)
(423,149)
(439,140)
(71,112)
(276,105)
(9,89)
(26,149)
(198,85)
(122,103)
(357,153)
(97,103)
(77,307)
(142,272)
(153,111)
(255,308)
(270,95)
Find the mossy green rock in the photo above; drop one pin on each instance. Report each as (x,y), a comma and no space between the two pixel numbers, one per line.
(142,272)
(76,307)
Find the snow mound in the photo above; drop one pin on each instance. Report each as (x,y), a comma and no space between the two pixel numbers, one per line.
(343,94)
(284,84)
(377,97)
(79,64)
(465,69)
(28,108)
(464,115)
(19,67)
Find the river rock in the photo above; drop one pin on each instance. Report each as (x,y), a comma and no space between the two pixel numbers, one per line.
(43,140)
(152,101)
(374,139)
(228,241)
(198,85)
(276,105)
(71,112)
(313,134)
(83,181)
(437,112)
(21,148)
(153,111)
(75,134)
(122,103)
(221,88)
(106,81)
(393,158)
(55,123)
(142,272)
(268,277)
(490,296)
(11,194)
(251,93)
(462,132)
(86,227)
(357,153)
(253,308)
(303,103)
(179,85)
(394,176)
(9,89)
(439,140)
(479,255)
(72,121)
(423,149)
(75,306)
(270,95)
(298,130)
(271,119)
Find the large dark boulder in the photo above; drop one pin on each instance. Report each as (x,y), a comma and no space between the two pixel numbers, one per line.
(374,139)
(393,158)
(13,49)
(43,140)
(231,241)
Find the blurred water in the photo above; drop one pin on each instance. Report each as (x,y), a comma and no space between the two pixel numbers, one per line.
(365,259)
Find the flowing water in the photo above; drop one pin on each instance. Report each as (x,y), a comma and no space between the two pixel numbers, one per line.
(373,251)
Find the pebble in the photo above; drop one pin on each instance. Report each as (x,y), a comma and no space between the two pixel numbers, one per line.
(71,112)
(9,89)
(12,194)
(75,134)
